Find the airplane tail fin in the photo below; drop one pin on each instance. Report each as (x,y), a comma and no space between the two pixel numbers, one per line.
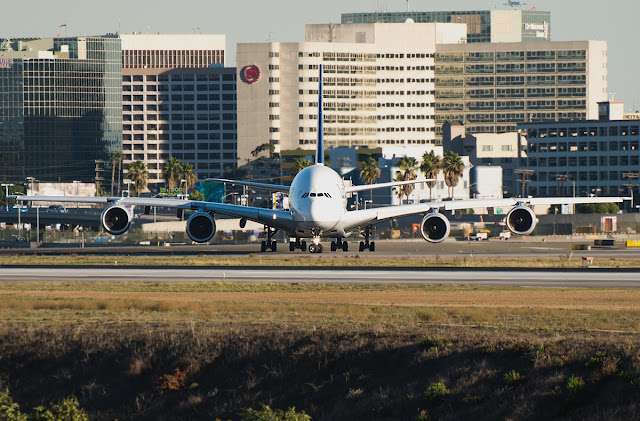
(320,146)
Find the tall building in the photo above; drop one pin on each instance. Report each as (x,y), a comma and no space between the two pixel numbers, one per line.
(482,26)
(588,157)
(492,87)
(178,100)
(60,107)
(378,86)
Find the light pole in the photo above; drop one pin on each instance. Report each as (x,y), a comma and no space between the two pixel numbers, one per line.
(77,183)
(184,190)
(6,186)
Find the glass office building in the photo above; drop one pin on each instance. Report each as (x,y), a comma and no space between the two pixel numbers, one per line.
(482,26)
(60,107)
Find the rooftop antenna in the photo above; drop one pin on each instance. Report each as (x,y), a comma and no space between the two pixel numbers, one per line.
(408,8)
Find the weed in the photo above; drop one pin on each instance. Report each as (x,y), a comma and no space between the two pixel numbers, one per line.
(574,386)
(175,381)
(472,399)
(432,344)
(513,378)
(436,393)
(423,415)
(67,409)
(268,414)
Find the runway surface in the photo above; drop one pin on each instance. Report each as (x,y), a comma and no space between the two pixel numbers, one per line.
(582,278)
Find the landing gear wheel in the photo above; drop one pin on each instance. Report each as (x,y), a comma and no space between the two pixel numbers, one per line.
(313,248)
(303,246)
(292,246)
(361,246)
(334,246)
(263,246)
(372,246)
(320,248)
(345,246)
(274,246)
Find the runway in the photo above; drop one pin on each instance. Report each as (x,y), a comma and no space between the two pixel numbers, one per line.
(579,278)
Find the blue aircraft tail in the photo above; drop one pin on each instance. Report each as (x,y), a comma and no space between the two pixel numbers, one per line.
(320,146)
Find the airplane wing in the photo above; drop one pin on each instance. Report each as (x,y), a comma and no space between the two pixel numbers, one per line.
(364,187)
(272,187)
(271,217)
(363,217)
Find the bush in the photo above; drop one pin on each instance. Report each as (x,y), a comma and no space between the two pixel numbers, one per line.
(9,410)
(436,393)
(574,386)
(268,414)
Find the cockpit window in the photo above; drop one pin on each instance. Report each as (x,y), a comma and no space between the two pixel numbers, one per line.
(312,194)
(305,195)
(328,195)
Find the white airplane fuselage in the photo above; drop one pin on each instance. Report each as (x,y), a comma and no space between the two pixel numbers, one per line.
(317,202)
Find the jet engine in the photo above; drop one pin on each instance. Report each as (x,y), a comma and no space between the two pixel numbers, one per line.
(116,219)
(435,227)
(201,227)
(521,220)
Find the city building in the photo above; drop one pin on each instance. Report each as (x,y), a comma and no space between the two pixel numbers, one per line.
(378,86)
(492,87)
(179,101)
(500,150)
(582,158)
(482,26)
(60,107)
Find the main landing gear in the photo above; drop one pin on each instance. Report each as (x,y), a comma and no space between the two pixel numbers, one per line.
(366,245)
(302,245)
(270,243)
(339,244)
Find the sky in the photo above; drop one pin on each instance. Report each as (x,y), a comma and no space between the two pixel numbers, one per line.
(613,21)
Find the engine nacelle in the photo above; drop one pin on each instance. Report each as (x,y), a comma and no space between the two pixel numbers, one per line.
(435,227)
(521,220)
(116,219)
(201,227)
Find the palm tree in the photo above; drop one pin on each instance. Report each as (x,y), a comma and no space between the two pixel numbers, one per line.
(408,166)
(300,164)
(116,156)
(139,176)
(370,173)
(431,166)
(453,168)
(189,176)
(119,156)
(172,173)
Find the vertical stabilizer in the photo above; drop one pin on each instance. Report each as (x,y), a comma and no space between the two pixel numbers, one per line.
(320,146)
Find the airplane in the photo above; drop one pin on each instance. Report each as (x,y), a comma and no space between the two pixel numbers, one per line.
(514,3)
(318,209)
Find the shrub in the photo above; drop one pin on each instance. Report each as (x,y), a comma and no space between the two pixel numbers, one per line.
(9,410)
(268,414)
(66,410)
(175,381)
(436,393)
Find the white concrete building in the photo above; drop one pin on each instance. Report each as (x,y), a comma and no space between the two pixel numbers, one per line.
(378,86)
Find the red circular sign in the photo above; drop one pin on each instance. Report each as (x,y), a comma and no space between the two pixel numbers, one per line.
(250,74)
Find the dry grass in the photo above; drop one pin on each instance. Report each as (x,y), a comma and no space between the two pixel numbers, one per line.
(314,261)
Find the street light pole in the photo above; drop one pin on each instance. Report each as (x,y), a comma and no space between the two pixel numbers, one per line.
(6,186)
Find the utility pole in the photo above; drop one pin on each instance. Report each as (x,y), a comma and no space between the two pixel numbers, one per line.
(630,176)
(561,178)
(524,178)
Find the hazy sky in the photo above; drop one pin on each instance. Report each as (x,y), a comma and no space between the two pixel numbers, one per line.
(614,21)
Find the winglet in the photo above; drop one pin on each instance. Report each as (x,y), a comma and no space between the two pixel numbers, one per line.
(320,147)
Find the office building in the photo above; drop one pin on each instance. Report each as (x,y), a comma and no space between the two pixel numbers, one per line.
(178,100)
(490,88)
(482,25)
(582,158)
(378,86)
(60,107)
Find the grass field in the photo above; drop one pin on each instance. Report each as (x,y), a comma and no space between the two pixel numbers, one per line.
(563,261)
(335,351)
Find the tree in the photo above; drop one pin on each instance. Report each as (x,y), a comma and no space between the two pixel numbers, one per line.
(370,172)
(408,166)
(189,176)
(431,166)
(139,176)
(196,195)
(452,168)
(116,156)
(269,147)
(300,164)
(172,172)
